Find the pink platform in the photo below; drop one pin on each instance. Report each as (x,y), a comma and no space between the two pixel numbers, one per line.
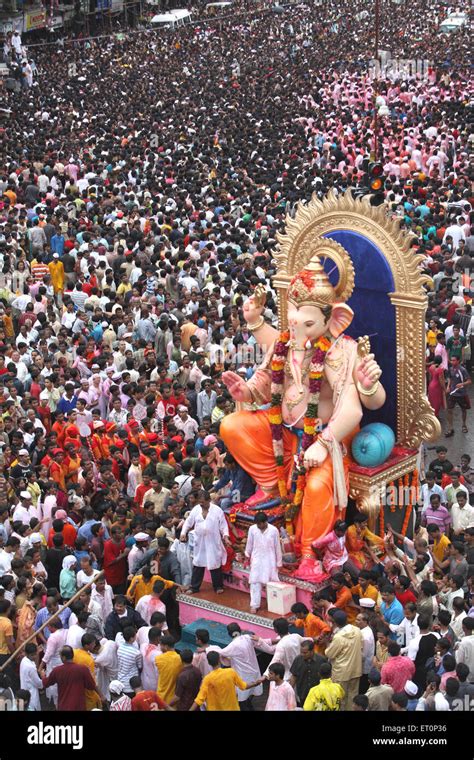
(233,604)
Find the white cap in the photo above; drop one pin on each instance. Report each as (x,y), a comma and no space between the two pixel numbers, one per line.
(116,687)
(55,255)
(142,537)
(25,495)
(24,452)
(35,538)
(411,688)
(367,602)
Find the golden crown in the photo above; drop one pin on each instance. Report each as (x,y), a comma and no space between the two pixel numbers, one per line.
(312,287)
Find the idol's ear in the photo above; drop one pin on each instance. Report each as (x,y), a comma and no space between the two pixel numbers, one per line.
(340,319)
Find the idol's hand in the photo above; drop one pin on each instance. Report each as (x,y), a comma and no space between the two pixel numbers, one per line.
(237,387)
(368,372)
(254,306)
(315,455)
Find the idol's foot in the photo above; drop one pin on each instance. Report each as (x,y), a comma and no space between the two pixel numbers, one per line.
(310,570)
(260,496)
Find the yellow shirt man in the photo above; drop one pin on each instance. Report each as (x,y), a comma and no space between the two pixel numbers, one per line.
(326,697)
(169,666)
(440,547)
(81,657)
(139,587)
(370,592)
(218,690)
(6,634)
(123,288)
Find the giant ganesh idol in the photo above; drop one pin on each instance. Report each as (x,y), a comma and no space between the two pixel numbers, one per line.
(316,383)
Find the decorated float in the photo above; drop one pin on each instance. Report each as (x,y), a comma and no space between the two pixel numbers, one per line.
(332,422)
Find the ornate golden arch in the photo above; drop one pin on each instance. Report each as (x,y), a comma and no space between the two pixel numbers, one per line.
(303,239)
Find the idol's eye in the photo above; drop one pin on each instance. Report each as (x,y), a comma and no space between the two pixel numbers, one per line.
(309,324)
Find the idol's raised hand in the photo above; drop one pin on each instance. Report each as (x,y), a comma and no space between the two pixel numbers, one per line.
(254,306)
(237,387)
(368,372)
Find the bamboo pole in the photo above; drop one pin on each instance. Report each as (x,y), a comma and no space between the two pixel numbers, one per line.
(53,617)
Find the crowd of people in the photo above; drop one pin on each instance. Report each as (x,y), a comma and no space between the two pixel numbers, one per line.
(143,180)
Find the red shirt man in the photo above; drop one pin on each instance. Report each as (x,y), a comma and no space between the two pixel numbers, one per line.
(115,559)
(69,533)
(146,701)
(72,681)
(398,669)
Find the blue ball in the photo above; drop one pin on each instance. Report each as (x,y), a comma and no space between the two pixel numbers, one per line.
(373,444)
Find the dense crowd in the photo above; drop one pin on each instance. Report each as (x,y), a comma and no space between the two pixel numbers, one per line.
(143,179)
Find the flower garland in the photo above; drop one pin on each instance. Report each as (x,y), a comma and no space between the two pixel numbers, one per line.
(321,347)
(409,509)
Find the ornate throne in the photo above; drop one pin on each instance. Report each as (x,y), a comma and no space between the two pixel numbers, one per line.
(389,303)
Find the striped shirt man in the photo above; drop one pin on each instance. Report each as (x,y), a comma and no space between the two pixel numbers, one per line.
(130,662)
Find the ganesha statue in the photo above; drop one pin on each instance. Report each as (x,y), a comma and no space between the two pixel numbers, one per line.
(308,397)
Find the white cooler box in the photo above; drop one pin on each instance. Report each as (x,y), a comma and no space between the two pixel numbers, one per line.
(280,597)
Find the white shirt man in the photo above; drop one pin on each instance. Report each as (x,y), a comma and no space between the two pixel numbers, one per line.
(451,491)
(106,666)
(30,680)
(185,483)
(441,704)
(465,653)
(138,551)
(457,233)
(263,549)
(75,633)
(24,511)
(285,651)
(149,673)
(415,644)
(456,624)
(240,655)
(209,532)
(21,370)
(426,493)
(368,648)
(149,604)
(462,516)
(5,561)
(406,631)
(185,423)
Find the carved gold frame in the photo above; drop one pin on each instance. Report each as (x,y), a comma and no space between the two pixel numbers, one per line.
(416,421)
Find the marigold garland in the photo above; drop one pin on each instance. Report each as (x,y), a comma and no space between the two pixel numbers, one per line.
(321,347)
(409,509)
(382,521)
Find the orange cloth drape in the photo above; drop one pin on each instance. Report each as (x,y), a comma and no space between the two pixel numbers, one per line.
(248,437)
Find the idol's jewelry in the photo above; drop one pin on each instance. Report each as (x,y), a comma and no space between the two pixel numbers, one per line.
(369,392)
(256,325)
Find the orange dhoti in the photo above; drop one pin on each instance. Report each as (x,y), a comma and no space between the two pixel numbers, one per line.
(248,437)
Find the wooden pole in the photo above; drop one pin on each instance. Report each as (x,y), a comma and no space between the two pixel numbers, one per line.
(53,617)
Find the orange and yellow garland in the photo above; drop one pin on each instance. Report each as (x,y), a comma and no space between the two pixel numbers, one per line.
(321,347)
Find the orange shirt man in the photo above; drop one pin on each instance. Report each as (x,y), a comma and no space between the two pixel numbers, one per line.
(313,627)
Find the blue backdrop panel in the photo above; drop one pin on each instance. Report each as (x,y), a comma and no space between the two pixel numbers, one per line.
(374,314)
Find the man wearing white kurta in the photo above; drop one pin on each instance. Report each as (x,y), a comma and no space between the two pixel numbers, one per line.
(211,536)
(106,663)
(264,552)
(240,655)
(285,648)
(29,678)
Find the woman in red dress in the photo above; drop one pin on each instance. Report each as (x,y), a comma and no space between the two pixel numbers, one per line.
(437,386)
